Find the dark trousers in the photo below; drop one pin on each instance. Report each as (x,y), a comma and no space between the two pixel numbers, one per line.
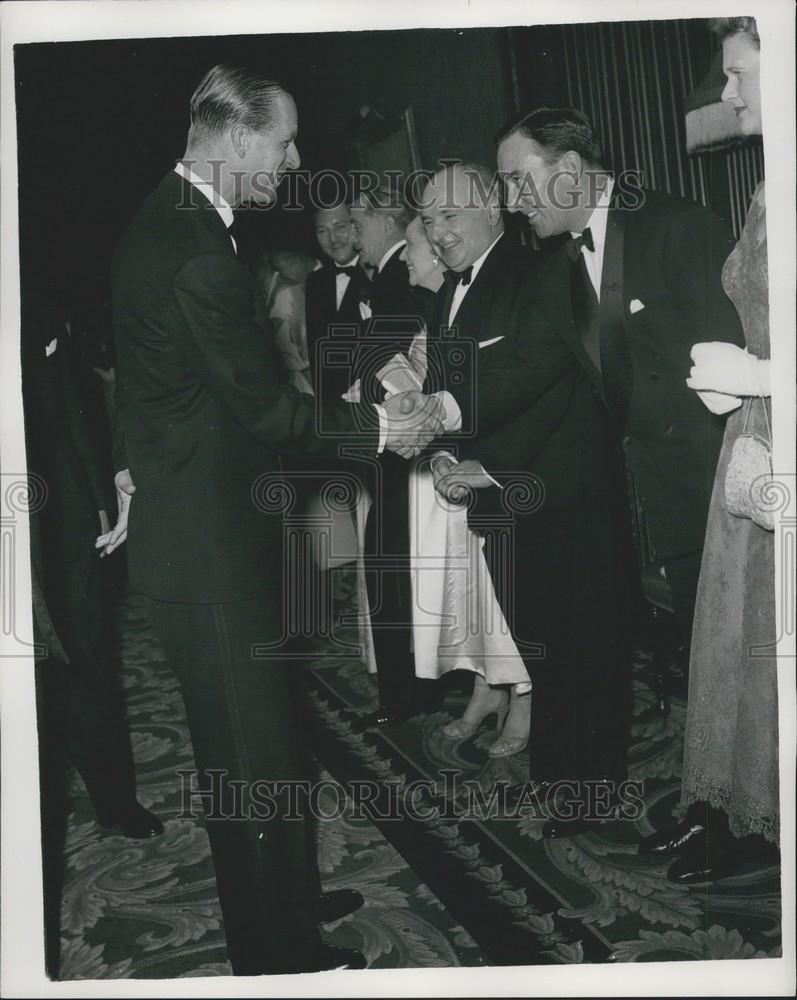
(683,574)
(242,718)
(81,704)
(565,602)
(389,583)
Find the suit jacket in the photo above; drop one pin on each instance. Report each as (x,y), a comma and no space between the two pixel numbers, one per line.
(399,311)
(331,380)
(661,288)
(202,412)
(454,355)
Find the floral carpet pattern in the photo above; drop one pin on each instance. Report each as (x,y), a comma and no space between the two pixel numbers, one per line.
(149,909)
(448,879)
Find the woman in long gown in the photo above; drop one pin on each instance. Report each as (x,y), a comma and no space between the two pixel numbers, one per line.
(730,773)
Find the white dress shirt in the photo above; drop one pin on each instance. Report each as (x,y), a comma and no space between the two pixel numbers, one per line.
(593,259)
(342,280)
(216,200)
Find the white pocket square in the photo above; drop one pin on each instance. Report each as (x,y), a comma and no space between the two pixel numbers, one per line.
(636,306)
(365,311)
(50,348)
(487,343)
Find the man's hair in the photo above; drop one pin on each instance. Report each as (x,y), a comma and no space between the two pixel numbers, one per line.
(229,96)
(485,184)
(386,200)
(724,27)
(557,131)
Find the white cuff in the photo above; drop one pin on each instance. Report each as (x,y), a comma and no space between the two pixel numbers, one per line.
(383,427)
(453,421)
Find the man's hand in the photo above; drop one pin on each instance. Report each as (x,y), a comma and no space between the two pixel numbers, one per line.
(125,489)
(414,420)
(442,465)
(464,477)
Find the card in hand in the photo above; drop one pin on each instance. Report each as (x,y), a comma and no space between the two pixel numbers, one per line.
(398,375)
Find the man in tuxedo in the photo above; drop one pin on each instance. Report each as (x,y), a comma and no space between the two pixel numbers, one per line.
(623,354)
(333,295)
(461,213)
(391,315)
(642,280)
(534,450)
(203,419)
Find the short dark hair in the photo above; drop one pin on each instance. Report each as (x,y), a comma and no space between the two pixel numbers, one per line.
(387,200)
(556,131)
(229,96)
(724,27)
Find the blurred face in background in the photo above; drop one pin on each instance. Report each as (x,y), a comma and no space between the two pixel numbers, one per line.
(423,264)
(335,233)
(740,63)
(292,264)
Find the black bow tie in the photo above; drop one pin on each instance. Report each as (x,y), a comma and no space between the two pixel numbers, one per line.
(574,245)
(455,278)
(351,270)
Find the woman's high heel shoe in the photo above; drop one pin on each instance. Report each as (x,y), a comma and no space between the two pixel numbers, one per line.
(508,746)
(497,703)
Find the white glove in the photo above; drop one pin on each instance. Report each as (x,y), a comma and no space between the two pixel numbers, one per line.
(728,369)
(718,402)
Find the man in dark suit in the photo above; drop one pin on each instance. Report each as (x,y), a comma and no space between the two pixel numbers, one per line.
(628,314)
(644,275)
(392,314)
(203,419)
(80,708)
(333,295)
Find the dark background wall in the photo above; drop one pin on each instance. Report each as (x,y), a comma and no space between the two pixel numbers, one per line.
(99,123)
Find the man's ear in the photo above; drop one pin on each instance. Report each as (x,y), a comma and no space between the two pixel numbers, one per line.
(572,163)
(239,138)
(493,209)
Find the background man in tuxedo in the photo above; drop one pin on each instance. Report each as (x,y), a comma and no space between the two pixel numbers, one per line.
(203,418)
(333,294)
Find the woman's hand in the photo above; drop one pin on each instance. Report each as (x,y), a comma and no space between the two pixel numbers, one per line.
(725,368)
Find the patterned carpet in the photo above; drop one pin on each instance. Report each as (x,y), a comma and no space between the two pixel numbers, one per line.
(441,889)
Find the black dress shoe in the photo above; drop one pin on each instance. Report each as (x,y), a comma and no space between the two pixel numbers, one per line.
(384,716)
(556,829)
(336,904)
(330,957)
(704,862)
(133,821)
(673,840)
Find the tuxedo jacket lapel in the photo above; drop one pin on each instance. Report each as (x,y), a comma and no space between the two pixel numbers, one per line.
(558,281)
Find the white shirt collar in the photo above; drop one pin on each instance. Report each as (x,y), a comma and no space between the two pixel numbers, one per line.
(207,189)
(599,217)
(386,257)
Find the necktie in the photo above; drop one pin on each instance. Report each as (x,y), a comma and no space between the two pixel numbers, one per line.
(454,278)
(350,271)
(574,245)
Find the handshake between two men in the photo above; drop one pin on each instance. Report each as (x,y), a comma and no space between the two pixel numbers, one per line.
(414,421)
